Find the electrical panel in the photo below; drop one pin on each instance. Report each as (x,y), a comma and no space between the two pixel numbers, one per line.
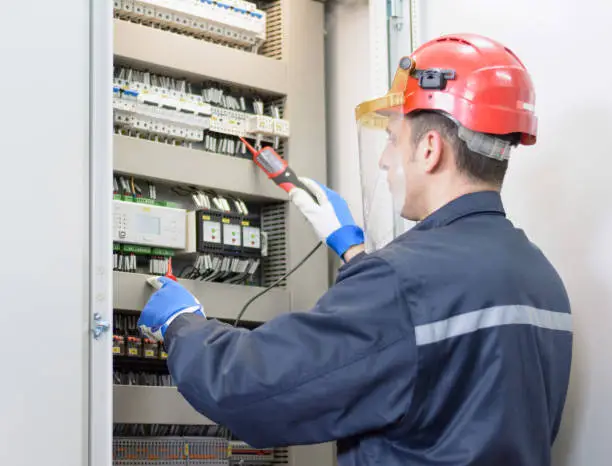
(234,239)
(149,225)
(234,22)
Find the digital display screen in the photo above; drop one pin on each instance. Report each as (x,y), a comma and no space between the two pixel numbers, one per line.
(148,224)
(270,162)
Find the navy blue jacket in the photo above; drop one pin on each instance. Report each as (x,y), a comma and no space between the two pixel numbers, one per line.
(451,346)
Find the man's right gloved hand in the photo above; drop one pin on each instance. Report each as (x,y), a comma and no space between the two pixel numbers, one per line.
(330,217)
(169,301)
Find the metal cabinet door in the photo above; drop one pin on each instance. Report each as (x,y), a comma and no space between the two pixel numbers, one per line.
(47,53)
(100,204)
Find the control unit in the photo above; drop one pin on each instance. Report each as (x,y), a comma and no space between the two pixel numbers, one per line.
(150,225)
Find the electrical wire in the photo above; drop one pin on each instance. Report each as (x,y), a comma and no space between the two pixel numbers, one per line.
(276,283)
(184,190)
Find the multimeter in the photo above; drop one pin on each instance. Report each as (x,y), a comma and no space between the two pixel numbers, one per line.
(276,168)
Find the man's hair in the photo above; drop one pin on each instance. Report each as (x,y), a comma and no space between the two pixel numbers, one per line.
(476,166)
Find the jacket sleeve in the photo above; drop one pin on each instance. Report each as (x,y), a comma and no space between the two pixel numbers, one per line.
(344,368)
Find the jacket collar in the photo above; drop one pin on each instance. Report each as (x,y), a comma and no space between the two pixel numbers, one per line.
(469,204)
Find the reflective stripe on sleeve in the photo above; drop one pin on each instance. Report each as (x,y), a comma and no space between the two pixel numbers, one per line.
(497,316)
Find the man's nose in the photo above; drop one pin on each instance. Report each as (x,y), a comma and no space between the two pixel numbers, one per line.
(385,158)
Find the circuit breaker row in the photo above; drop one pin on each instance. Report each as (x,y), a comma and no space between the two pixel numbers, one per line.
(235,22)
(165,109)
(128,341)
(137,360)
(137,347)
(200,451)
(236,451)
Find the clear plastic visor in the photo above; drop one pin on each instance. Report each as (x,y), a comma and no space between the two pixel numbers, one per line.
(382,171)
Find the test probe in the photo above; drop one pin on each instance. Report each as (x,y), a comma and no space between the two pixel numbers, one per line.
(276,168)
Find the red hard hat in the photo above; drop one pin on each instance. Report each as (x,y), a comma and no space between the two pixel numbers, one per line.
(479,82)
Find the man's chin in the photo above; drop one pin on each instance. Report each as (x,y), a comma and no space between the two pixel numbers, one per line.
(407,214)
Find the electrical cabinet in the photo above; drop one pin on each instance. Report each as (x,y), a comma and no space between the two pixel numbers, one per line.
(188,79)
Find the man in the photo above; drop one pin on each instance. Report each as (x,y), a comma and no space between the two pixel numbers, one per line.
(451,345)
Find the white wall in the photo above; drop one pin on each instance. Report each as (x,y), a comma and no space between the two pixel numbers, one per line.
(44,121)
(559,191)
(348,84)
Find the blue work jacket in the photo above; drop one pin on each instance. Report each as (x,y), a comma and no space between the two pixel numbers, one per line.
(450,346)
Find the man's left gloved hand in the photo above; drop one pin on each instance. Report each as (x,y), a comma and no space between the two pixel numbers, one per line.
(165,305)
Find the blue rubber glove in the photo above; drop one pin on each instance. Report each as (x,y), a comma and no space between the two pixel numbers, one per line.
(331,217)
(169,301)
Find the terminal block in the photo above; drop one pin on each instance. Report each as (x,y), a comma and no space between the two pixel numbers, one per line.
(233,22)
(205,115)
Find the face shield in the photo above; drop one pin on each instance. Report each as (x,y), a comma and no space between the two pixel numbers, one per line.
(382,129)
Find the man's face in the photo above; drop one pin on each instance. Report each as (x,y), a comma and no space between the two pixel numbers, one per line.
(404,176)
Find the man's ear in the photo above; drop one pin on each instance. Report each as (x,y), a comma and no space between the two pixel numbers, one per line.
(431,147)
